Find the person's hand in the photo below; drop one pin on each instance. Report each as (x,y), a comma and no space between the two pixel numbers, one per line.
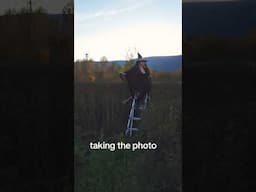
(122,75)
(137,94)
(126,100)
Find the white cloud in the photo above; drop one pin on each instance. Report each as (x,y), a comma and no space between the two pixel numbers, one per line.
(131,6)
(107,13)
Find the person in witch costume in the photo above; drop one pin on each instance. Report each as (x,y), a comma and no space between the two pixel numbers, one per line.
(138,78)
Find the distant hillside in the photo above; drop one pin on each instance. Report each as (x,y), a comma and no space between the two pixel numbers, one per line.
(222,19)
(165,63)
(160,63)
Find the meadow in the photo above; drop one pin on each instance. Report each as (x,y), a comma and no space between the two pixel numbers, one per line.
(100,116)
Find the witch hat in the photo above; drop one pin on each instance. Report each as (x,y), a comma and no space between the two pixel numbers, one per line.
(140,59)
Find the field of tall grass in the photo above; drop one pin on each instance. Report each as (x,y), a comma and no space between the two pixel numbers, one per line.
(100,116)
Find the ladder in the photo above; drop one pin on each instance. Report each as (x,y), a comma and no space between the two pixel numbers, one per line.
(135,107)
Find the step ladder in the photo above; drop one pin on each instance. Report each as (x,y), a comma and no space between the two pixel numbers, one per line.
(136,106)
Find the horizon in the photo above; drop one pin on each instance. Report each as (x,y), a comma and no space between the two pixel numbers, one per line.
(127,59)
(114,28)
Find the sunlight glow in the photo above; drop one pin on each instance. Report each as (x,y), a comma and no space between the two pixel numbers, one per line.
(154,39)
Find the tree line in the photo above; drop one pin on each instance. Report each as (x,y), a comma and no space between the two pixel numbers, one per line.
(88,70)
(30,9)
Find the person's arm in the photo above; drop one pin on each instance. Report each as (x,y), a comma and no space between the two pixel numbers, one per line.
(150,85)
(149,72)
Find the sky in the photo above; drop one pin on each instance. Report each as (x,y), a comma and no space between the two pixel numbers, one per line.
(112,28)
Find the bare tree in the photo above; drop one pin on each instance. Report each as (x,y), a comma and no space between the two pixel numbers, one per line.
(10,12)
(130,53)
(40,9)
(68,8)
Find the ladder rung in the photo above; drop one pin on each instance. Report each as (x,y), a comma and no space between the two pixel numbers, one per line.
(136,118)
(132,129)
(141,108)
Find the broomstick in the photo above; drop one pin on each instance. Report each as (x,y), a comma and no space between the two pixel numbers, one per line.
(126,100)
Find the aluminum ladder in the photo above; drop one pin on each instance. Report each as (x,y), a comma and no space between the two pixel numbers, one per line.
(136,105)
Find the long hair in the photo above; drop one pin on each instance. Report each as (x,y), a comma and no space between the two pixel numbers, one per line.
(148,71)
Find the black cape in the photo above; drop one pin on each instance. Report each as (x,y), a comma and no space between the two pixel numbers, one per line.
(138,82)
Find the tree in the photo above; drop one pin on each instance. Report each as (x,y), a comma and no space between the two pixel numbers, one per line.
(103,63)
(130,58)
(68,8)
(10,11)
(23,10)
(103,67)
(89,70)
(40,10)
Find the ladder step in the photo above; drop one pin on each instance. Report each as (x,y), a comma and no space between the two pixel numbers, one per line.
(135,118)
(134,129)
(131,129)
(141,108)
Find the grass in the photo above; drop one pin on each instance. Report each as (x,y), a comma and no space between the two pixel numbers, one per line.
(100,116)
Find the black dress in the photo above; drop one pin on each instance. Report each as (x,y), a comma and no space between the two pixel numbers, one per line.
(138,82)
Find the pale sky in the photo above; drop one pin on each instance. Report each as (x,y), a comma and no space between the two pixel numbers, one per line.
(110,28)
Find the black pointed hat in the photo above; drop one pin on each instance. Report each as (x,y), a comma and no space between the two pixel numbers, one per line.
(140,58)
